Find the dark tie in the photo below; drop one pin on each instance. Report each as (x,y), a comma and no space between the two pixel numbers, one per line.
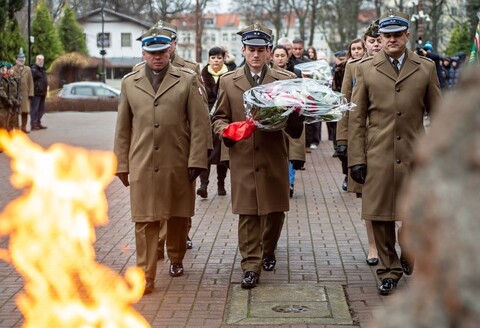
(256,78)
(395,63)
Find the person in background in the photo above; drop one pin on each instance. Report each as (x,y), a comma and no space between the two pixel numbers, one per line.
(161,139)
(14,96)
(429,53)
(298,51)
(296,147)
(40,86)
(211,74)
(24,73)
(392,92)
(259,164)
(312,53)
(373,45)
(229,60)
(356,50)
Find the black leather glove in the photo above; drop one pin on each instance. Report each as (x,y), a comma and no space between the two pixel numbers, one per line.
(229,142)
(297,165)
(342,150)
(294,126)
(358,173)
(123,176)
(194,172)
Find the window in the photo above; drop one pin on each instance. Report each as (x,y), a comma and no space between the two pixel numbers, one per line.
(225,37)
(102,92)
(213,37)
(454,11)
(234,36)
(126,39)
(105,38)
(82,91)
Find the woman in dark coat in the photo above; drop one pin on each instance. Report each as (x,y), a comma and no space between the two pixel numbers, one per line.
(211,75)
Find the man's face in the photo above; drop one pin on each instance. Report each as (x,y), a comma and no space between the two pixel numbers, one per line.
(395,43)
(20,63)
(173,46)
(39,60)
(157,60)
(298,50)
(255,57)
(373,45)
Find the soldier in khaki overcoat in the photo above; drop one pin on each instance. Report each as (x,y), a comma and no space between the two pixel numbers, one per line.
(259,164)
(24,73)
(373,45)
(161,138)
(394,89)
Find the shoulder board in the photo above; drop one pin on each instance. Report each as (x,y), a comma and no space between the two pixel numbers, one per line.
(355,60)
(229,73)
(187,70)
(130,74)
(362,60)
(283,72)
(426,58)
(191,61)
(138,64)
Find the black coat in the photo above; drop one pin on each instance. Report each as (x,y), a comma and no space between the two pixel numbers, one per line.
(40,82)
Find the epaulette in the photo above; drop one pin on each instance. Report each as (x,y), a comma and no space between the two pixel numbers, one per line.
(284,72)
(191,61)
(188,70)
(229,73)
(426,58)
(138,64)
(362,60)
(130,74)
(355,60)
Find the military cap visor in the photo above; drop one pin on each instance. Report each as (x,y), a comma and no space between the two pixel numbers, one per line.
(256,35)
(392,23)
(156,42)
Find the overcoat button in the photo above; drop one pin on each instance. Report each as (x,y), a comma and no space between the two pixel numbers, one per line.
(398,138)
(397,89)
(157,125)
(399,113)
(155,103)
(156,169)
(398,161)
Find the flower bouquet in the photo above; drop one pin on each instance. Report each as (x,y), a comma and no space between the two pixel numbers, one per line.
(268,106)
(318,70)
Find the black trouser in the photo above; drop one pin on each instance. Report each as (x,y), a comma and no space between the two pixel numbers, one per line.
(313,133)
(221,175)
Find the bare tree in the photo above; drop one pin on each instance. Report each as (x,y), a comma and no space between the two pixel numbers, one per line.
(301,9)
(339,21)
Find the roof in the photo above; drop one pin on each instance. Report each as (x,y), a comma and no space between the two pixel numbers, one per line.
(95,12)
(124,61)
(219,20)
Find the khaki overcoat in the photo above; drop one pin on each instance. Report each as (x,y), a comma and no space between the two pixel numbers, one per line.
(158,137)
(384,126)
(259,164)
(26,86)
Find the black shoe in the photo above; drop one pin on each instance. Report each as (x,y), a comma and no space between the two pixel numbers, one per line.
(175,270)
(149,286)
(42,127)
(268,262)
(221,190)
(373,261)
(345,184)
(407,266)
(291,191)
(202,192)
(189,243)
(250,280)
(34,128)
(387,286)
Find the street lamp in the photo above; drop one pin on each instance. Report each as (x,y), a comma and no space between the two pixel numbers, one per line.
(29,36)
(103,52)
(418,17)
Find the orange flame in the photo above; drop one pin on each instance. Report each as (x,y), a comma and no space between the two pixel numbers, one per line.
(51,228)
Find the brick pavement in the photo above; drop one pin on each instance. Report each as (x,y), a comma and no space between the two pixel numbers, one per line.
(323,240)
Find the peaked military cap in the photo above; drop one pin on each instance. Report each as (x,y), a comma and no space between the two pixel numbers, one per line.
(372,30)
(256,35)
(393,21)
(156,40)
(21,55)
(161,25)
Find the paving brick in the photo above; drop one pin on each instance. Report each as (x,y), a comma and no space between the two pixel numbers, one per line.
(323,240)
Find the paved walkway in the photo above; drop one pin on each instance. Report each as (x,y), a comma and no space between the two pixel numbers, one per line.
(323,241)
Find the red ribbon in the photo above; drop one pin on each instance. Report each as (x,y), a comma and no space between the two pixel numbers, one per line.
(239,130)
